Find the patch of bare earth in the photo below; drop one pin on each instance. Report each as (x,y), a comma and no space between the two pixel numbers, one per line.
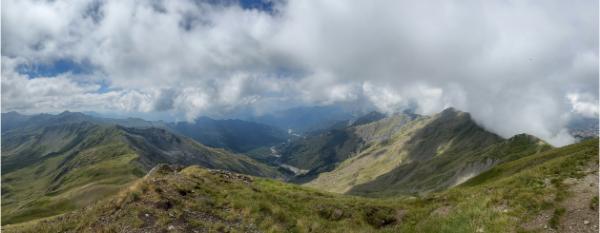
(442,211)
(540,222)
(579,216)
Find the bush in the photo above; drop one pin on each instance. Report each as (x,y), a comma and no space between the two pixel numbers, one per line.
(555,220)
(380,216)
(594,203)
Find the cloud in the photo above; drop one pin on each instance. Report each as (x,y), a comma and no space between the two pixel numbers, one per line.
(517,66)
(583,104)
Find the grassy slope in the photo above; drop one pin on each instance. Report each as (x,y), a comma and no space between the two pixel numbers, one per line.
(450,169)
(74,165)
(324,151)
(321,152)
(500,201)
(76,176)
(398,153)
(156,145)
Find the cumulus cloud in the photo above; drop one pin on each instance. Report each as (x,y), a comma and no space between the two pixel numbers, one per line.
(517,66)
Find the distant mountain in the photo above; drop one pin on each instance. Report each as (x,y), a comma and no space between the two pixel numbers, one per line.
(305,119)
(14,120)
(235,135)
(57,163)
(551,191)
(368,118)
(583,127)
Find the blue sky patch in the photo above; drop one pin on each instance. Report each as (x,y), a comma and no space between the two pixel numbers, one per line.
(54,68)
(262,5)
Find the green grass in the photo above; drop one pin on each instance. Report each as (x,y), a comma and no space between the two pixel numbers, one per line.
(44,190)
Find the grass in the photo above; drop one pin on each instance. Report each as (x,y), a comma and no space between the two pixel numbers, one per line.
(44,190)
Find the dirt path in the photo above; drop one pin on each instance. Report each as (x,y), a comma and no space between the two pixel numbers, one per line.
(579,216)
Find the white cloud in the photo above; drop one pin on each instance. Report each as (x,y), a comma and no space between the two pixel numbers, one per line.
(517,66)
(583,104)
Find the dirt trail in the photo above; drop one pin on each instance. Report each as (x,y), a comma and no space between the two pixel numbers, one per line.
(579,216)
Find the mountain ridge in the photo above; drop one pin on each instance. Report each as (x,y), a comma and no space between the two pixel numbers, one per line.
(233,135)
(52,169)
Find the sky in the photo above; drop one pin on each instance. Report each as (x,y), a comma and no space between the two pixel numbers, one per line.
(515,65)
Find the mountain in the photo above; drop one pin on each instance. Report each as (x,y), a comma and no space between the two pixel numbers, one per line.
(62,162)
(583,127)
(235,135)
(368,118)
(447,169)
(305,119)
(401,154)
(322,151)
(14,120)
(555,190)
(239,136)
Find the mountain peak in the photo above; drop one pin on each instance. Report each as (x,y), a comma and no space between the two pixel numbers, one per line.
(451,110)
(11,113)
(452,113)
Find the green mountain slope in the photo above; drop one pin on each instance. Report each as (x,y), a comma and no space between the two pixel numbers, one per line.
(556,189)
(449,169)
(323,151)
(400,147)
(320,153)
(52,169)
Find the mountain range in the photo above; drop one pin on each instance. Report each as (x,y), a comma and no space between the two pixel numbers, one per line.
(403,172)
(55,163)
(555,190)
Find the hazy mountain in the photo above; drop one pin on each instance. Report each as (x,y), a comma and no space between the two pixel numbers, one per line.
(555,190)
(368,118)
(583,127)
(236,135)
(69,162)
(305,119)
(14,120)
